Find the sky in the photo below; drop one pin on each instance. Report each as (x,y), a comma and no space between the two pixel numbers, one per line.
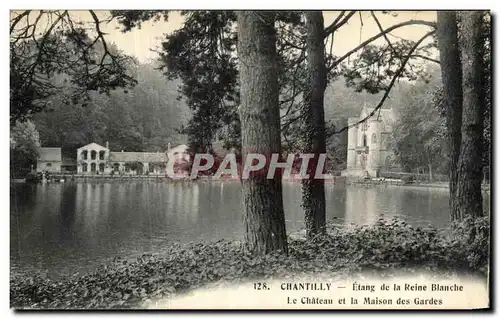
(140,42)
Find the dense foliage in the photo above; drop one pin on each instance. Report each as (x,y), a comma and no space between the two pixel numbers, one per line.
(144,118)
(24,143)
(419,132)
(201,54)
(45,43)
(385,246)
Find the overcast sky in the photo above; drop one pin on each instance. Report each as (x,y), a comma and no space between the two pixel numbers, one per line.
(140,42)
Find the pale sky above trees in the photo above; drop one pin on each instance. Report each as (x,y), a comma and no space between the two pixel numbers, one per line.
(140,42)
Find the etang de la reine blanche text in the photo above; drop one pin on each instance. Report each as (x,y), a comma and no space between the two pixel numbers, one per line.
(368,300)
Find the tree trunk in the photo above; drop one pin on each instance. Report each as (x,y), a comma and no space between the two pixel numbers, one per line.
(313,190)
(265,229)
(470,163)
(451,73)
(429,165)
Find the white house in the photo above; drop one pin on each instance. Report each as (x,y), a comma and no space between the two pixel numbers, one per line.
(97,159)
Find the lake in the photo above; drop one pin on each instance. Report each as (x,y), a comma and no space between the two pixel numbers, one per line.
(73,227)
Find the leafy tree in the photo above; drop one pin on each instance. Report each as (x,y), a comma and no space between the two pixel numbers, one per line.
(419,133)
(24,144)
(44,43)
(188,49)
(144,118)
(200,54)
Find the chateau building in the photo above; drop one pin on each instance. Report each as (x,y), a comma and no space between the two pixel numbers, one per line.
(97,159)
(368,146)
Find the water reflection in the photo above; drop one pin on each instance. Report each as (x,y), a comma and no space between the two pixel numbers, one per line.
(76,226)
(67,208)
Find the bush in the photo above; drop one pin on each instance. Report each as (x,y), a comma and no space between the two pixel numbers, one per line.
(386,245)
(471,240)
(33,178)
(408,179)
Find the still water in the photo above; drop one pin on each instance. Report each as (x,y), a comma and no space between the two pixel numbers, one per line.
(74,227)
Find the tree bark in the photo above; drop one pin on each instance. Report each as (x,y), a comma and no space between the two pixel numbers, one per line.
(313,190)
(470,163)
(451,73)
(265,229)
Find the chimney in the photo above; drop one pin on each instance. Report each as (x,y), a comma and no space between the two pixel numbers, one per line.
(107,144)
(168,147)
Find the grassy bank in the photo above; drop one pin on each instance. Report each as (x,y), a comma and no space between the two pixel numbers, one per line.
(385,245)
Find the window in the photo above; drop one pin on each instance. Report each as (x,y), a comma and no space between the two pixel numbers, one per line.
(92,167)
(101,167)
(93,155)
(84,167)
(101,155)
(364,140)
(374,138)
(84,155)
(116,167)
(383,141)
(48,165)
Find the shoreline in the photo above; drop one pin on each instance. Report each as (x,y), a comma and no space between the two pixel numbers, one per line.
(133,284)
(335,181)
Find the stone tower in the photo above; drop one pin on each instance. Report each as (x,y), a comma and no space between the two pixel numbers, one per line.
(368,149)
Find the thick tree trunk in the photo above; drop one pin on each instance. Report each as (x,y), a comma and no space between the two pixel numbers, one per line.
(313,190)
(451,73)
(260,131)
(470,163)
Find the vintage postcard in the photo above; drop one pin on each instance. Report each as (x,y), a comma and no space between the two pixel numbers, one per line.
(312,160)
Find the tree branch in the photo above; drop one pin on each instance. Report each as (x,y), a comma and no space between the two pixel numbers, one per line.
(100,35)
(423,57)
(337,19)
(388,90)
(375,37)
(385,34)
(337,24)
(16,20)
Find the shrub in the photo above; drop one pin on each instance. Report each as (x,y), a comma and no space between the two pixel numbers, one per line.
(408,179)
(32,178)
(387,245)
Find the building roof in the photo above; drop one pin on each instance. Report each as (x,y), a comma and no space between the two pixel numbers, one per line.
(49,154)
(137,157)
(94,146)
(386,115)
